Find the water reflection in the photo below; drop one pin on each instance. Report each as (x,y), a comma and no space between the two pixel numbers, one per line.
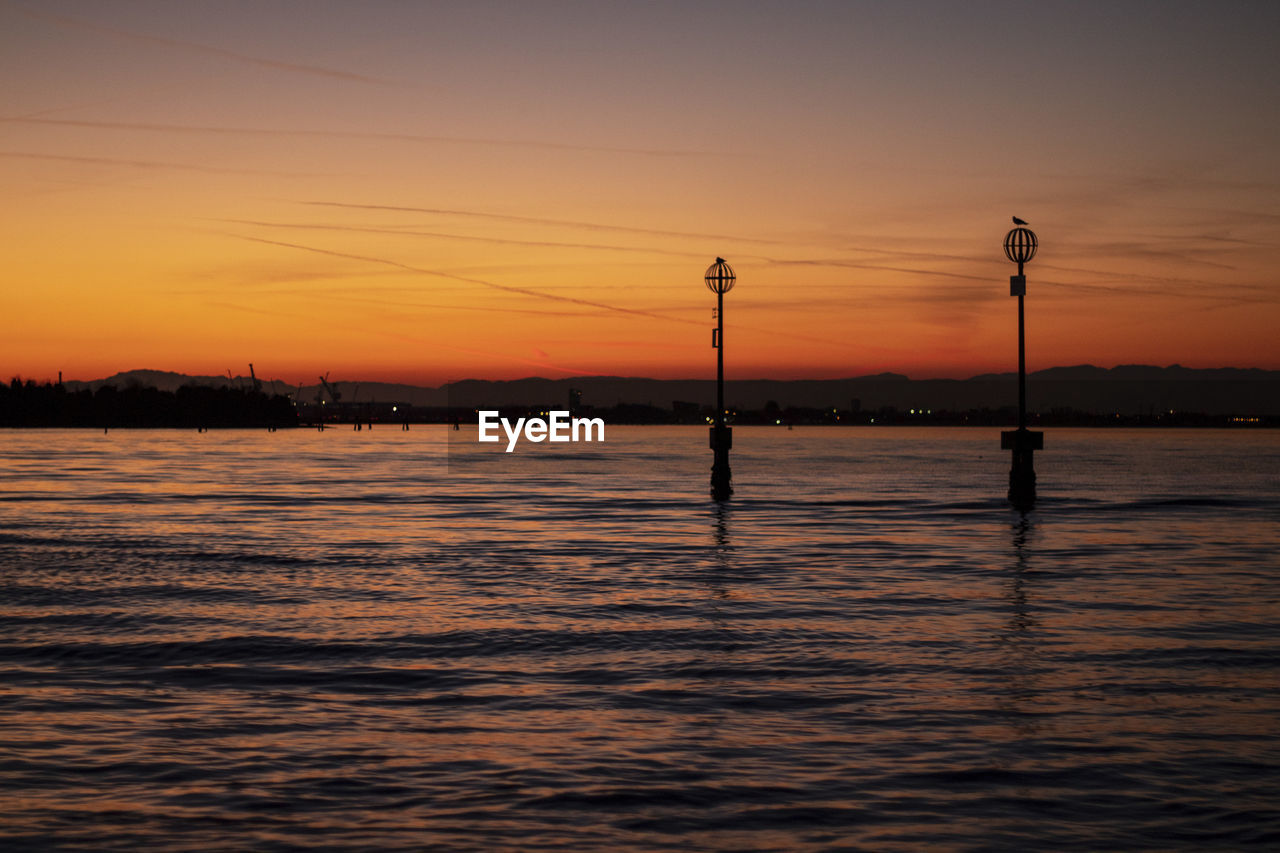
(1020,624)
(1019,637)
(318,642)
(721,552)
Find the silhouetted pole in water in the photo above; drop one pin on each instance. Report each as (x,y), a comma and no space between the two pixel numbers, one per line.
(720,279)
(1020,246)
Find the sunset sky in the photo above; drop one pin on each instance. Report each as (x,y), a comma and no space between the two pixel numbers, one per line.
(427,191)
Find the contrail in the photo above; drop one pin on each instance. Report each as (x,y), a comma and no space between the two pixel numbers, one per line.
(413,339)
(147,164)
(527,291)
(322,294)
(877,267)
(206,49)
(523,291)
(153,127)
(504,241)
(685,235)
(591,226)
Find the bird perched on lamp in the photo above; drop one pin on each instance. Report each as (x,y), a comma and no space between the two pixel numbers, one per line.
(1017,221)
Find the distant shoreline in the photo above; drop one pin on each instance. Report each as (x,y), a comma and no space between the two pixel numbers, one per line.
(1132,396)
(1266,424)
(1127,390)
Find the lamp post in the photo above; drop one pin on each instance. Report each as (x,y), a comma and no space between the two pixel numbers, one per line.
(720,279)
(1020,246)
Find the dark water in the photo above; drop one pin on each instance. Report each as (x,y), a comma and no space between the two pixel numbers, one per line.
(299,641)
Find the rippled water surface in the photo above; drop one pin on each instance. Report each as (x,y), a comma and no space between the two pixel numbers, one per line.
(386,639)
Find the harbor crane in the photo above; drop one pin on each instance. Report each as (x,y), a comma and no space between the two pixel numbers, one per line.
(334,394)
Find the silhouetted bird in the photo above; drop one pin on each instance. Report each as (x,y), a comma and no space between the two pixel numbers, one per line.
(1017,221)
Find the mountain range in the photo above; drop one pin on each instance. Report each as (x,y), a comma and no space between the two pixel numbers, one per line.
(1125,390)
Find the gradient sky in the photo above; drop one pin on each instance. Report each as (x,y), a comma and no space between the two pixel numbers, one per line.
(426,191)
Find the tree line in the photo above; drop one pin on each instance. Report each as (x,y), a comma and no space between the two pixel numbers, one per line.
(28,404)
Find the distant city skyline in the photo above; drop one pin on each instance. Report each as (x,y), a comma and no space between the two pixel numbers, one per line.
(421,193)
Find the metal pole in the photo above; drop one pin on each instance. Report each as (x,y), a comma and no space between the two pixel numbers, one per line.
(1019,247)
(1022,365)
(720,360)
(720,278)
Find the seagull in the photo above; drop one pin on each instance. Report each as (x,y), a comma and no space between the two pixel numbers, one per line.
(1017,221)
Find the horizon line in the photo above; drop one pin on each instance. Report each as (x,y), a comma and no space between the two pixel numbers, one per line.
(617,377)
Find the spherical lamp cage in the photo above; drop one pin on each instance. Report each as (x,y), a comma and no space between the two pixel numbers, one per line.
(720,277)
(1020,245)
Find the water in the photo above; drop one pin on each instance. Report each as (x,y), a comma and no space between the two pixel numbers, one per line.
(301,641)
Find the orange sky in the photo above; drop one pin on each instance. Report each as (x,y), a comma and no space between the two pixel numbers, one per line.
(426,192)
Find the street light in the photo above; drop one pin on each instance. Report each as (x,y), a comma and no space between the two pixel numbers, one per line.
(1020,246)
(720,280)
